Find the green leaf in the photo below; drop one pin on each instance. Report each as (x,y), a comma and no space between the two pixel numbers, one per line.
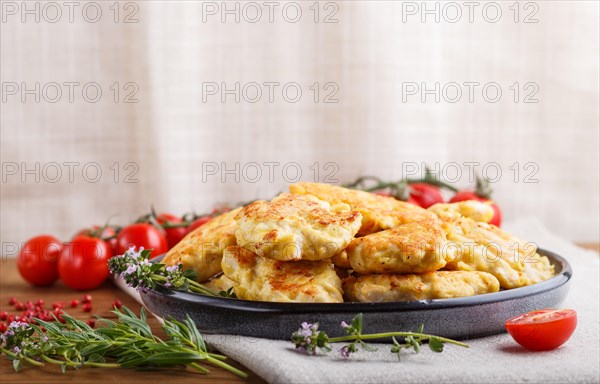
(143,315)
(129,313)
(367,347)
(228,293)
(173,358)
(357,323)
(180,329)
(195,335)
(436,344)
(146,253)
(17,365)
(190,274)
(420,328)
(96,358)
(132,361)
(92,349)
(63,368)
(50,327)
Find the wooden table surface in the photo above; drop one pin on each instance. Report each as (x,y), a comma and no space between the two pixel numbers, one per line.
(11,285)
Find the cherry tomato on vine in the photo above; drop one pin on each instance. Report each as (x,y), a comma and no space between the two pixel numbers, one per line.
(174,235)
(198,223)
(38,260)
(142,235)
(471,195)
(542,330)
(83,263)
(107,232)
(425,194)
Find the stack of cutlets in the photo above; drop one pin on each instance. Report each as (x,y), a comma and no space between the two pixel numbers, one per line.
(324,243)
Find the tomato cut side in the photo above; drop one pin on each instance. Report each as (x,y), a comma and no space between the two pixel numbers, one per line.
(544,329)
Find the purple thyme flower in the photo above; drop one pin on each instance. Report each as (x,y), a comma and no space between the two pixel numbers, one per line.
(18,324)
(306,329)
(345,352)
(131,269)
(344,325)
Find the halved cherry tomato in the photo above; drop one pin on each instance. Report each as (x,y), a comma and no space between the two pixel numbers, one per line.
(83,263)
(471,195)
(38,260)
(544,329)
(175,234)
(107,232)
(425,194)
(198,223)
(142,235)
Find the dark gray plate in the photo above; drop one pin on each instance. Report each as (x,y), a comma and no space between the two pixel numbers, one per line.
(460,318)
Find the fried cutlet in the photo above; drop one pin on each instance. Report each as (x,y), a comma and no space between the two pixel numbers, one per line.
(378,212)
(487,248)
(296,227)
(426,286)
(264,279)
(202,249)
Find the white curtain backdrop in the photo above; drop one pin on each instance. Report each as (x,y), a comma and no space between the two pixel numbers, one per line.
(177,145)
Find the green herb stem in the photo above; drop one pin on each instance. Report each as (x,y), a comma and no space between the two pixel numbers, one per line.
(27,359)
(126,343)
(218,357)
(383,185)
(199,368)
(394,334)
(192,285)
(226,366)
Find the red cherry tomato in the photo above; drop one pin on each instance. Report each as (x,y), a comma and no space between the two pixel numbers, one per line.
(142,235)
(471,195)
(198,223)
(174,235)
(542,330)
(413,201)
(425,194)
(38,260)
(106,233)
(83,263)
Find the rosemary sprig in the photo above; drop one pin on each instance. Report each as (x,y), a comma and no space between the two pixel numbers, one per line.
(310,340)
(126,343)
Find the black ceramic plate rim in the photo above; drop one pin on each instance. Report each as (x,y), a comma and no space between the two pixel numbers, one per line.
(563,275)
